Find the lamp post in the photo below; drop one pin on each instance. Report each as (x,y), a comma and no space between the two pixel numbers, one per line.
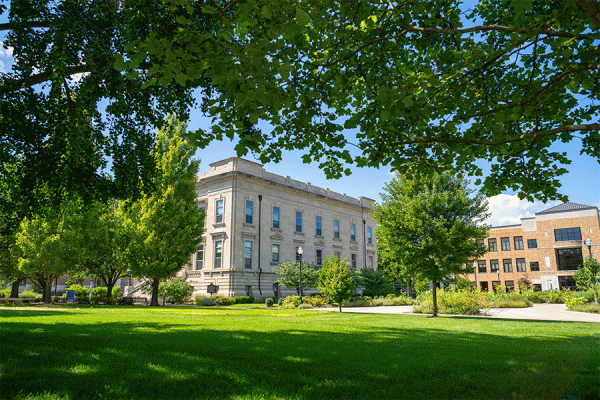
(300,251)
(588,243)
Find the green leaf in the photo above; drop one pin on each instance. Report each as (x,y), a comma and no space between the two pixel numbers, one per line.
(302,17)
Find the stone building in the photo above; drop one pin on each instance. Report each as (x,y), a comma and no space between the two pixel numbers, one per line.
(256,220)
(546,249)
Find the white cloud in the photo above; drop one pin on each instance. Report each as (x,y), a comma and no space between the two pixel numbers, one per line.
(509,209)
(6,52)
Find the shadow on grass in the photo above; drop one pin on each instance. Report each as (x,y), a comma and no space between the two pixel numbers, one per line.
(138,360)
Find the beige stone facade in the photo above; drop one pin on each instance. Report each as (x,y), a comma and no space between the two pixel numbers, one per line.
(256,220)
(546,249)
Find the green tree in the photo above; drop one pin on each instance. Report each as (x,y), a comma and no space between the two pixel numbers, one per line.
(9,264)
(103,243)
(431,225)
(445,83)
(336,280)
(166,223)
(586,277)
(48,245)
(289,275)
(66,110)
(374,282)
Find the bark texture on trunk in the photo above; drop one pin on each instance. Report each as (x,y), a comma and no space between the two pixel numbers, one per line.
(435,306)
(14,288)
(154,301)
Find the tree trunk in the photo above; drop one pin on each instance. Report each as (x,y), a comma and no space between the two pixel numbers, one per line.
(340,303)
(47,288)
(14,289)
(155,284)
(109,288)
(435,306)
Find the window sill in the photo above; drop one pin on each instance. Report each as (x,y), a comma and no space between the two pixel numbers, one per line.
(299,233)
(319,236)
(218,224)
(248,225)
(337,239)
(275,229)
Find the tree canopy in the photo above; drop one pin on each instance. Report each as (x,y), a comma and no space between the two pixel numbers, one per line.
(443,83)
(66,111)
(432,225)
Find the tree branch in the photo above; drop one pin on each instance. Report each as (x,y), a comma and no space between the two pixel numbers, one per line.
(33,24)
(10,85)
(529,135)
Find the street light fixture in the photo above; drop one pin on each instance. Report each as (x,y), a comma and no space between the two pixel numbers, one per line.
(588,243)
(300,251)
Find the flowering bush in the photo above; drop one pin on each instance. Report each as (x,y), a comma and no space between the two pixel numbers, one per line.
(461,302)
(315,301)
(291,302)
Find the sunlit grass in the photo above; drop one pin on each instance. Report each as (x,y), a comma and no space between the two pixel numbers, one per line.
(228,353)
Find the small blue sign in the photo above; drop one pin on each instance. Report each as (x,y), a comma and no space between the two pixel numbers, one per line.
(70,295)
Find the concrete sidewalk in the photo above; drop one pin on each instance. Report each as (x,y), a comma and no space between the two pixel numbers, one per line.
(542,312)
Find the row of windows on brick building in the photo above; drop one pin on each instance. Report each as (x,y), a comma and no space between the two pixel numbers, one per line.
(275,255)
(567,260)
(560,235)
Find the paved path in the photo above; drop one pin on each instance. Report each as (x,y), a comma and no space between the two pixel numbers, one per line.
(546,312)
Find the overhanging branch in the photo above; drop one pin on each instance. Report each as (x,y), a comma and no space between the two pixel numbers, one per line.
(525,136)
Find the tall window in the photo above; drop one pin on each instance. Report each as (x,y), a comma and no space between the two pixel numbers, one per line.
(534,266)
(247,254)
(353,232)
(298,221)
(338,255)
(494,266)
(200,257)
(318,225)
(275,252)
(567,234)
(369,235)
(319,256)
(276,217)
(492,244)
(569,259)
(507,263)
(521,266)
(249,205)
(505,242)
(218,253)
(518,242)
(482,268)
(219,211)
(336,229)
(510,286)
(353,260)
(371,262)
(532,243)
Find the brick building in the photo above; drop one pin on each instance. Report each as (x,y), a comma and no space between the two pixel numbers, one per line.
(546,249)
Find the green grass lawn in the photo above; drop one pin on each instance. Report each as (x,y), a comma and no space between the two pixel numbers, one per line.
(207,353)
